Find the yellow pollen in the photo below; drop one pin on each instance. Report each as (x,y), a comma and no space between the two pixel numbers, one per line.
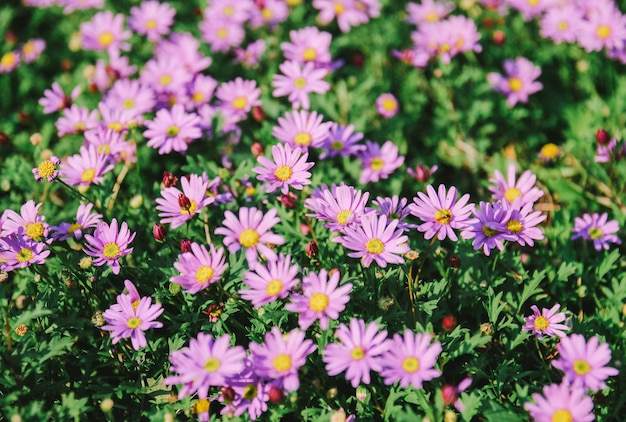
(562,415)
(88,175)
(240,103)
(282,363)
(283,173)
(80,126)
(172,131)
(29,47)
(595,233)
(489,232)
(229,10)
(151,24)
(318,302)
(35,230)
(302,138)
(71,229)
(267,13)
(105,39)
(444,48)
(250,392)
(212,365)
(293,2)
(514,226)
(135,304)
(549,151)
(339,9)
(515,84)
(603,31)
(375,246)
(342,217)
(273,287)
(309,54)
(299,83)
(165,79)
(533,2)
(198,97)
(562,26)
(389,104)
(116,126)
(111,250)
(411,364)
(581,367)
(222,33)
(443,216)
(133,323)
(104,149)
(204,274)
(46,169)
(248,238)
(337,145)
(377,164)
(201,406)
(192,208)
(250,190)
(128,103)
(511,193)
(432,17)
(25,254)
(357,353)
(541,323)
(8,59)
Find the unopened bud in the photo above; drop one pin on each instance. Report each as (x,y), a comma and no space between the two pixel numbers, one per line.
(36,138)
(85,262)
(602,137)
(257,149)
(159,232)
(97,319)
(169,179)
(185,245)
(184,202)
(499,37)
(258,113)
(276,395)
(228,395)
(4,139)
(448,322)
(312,249)
(107,405)
(289,201)
(361,393)
(454,262)
(136,201)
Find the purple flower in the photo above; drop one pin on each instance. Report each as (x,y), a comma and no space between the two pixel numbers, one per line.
(76,120)
(379,162)
(17,251)
(345,11)
(27,224)
(251,55)
(298,81)
(387,105)
(519,81)
(85,219)
(321,299)
(173,130)
(584,363)
(152,19)
(510,189)
(605,27)
(271,282)
(341,141)
(562,24)
(221,34)
(179,207)
(130,95)
(32,49)
(428,11)
(249,393)
(410,360)
(308,45)
(289,169)
(105,32)
(546,322)
(86,168)
(165,75)
(487,228)
(47,169)
(238,97)
(421,173)
(301,128)
(441,212)
(361,349)
(596,228)
(55,99)
(561,403)
(521,222)
(339,207)
(375,239)
(394,208)
(131,318)
(280,357)
(206,362)
(108,244)
(199,268)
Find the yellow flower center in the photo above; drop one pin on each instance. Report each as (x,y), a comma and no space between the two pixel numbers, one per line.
(562,415)
(514,226)
(299,83)
(411,364)
(88,175)
(511,193)
(165,79)
(240,103)
(302,138)
(293,2)
(212,365)
(8,59)
(105,39)
(116,126)
(198,97)
(515,84)
(283,173)
(282,362)
(339,8)
(204,274)
(489,232)
(46,169)
(128,103)
(172,131)
(151,24)
(533,2)
(562,26)
(229,10)
(309,54)
(29,47)
(342,217)
(25,254)
(267,13)
(337,145)
(71,229)
(375,246)
(443,216)
(444,48)
(273,287)
(135,304)
(318,302)
(222,33)
(250,392)
(111,250)
(133,323)
(80,126)
(250,190)
(389,104)
(377,164)
(549,151)
(35,230)
(249,238)
(541,323)
(192,208)
(581,367)
(595,233)
(357,353)
(201,406)
(432,17)
(603,31)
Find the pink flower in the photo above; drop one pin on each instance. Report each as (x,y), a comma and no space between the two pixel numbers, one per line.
(379,162)
(298,81)
(131,318)
(519,81)
(108,244)
(289,169)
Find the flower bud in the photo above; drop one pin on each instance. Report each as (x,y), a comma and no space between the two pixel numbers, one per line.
(185,245)
(228,395)
(449,395)
(499,37)
(258,113)
(448,322)
(4,139)
(257,149)
(312,249)
(602,137)
(159,232)
(361,393)
(454,262)
(106,405)
(289,201)
(276,395)
(169,179)
(184,202)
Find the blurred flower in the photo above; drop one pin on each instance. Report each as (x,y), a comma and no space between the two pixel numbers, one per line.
(108,244)
(448,322)
(169,180)
(610,151)
(152,19)
(550,152)
(236,98)
(47,169)
(379,162)
(269,283)
(387,105)
(311,249)
(605,27)
(546,322)
(346,12)
(32,49)
(422,173)
(510,189)
(322,298)
(519,81)
(595,227)
(194,188)
(428,11)
(173,130)
(341,140)
(298,81)
(132,96)
(410,360)
(450,394)
(361,349)
(602,137)
(288,169)
(199,268)
(72,5)
(165,75)
(86,168)
(251,55)
(131,318)
(301,128)
(55,99)
(85,219)
(76,120)
(441,212)
(531,9)
(221,34)
(339,207)
(561,403)
(105,32)
(308,44)
(562,24)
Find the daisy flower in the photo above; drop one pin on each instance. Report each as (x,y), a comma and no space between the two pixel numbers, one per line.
(76,120)
(341,140)
(55,99)
(85,219)
(268,12)
(280,356)
(346,12)
(73,5)
(105,32)
(9,61)
(269,283)
(86,168)
(131,319)
(605,27)
(339,207)
(108,244)
(301,128)
(308,44)
(288,169)
(519,81)
(221,34)
(361,350)
(251,231)
(375,239)
(321,299)
(410,360)
(379,162)
(584,363)
(249,393)
(394,208)
(298,81)
(546,322)
(561,403)
(173,129)
(152,19)
(596,228)
(428,11)
(521,224)
(561,24)
(206,362)
(32,49)
(130,95)
(47,169)
(387,105)
(199,268)
(184,48)
(20,252)
(177,207)
(441,212)
(27,224)
(487,227)
(238,97)
(511,188)
(164,74)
